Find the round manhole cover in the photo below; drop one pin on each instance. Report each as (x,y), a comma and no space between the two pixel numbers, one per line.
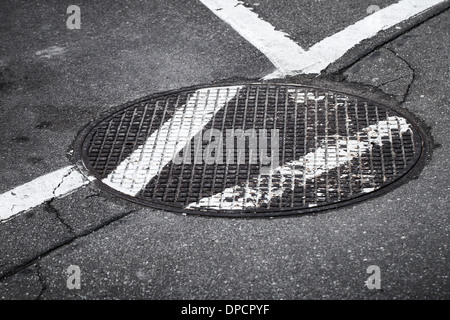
(250,149)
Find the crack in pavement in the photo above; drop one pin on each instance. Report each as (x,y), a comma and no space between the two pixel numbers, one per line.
(382,44)
(413,73)
(391,81)
(50,208)
(83,234)
(41,280)
(62,181)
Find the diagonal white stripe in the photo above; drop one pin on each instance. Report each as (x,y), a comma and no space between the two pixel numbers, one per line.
(276,45)
(34,193)
(284,53)
(132,174)
(323,53)
(308,167)
(288,57)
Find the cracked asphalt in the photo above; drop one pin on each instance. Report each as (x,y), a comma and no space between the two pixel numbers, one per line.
(53,81)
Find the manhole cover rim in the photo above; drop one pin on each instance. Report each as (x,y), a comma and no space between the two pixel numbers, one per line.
(412,170)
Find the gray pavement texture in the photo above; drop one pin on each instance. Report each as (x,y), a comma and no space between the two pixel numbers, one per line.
(130,49)
(308,22)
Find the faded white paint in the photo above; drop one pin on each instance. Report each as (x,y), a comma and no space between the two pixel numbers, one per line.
(302,97)
(307,168)
(50,52)
(44,188)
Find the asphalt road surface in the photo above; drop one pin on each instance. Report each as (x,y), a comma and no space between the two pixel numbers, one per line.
(54,80)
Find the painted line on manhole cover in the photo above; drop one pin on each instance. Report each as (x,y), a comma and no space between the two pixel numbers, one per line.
(34,193)
(251,149)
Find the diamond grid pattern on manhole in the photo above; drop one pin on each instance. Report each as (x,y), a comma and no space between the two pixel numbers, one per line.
(250,149)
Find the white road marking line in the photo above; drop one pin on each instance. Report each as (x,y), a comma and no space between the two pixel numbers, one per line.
(325,52)
(36,192)
(276,45)
(146,162)
(287,56)
(306,168)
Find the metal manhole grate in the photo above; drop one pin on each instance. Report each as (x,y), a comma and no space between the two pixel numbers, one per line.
(250,149)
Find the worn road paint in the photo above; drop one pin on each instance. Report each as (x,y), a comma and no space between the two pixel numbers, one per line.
(308,167)
(36,192)
(51,52)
